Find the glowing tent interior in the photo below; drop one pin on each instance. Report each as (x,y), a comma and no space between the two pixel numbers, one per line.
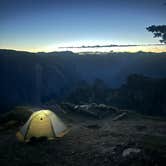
(43,123)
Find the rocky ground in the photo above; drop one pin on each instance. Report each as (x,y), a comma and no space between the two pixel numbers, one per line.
(134,139)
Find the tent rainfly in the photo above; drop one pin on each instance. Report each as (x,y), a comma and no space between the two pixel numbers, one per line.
(43,123)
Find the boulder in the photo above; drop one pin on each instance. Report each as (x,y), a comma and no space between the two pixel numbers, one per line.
(127,152)
(95,110)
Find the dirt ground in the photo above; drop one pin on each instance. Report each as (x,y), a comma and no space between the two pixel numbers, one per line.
(92,142)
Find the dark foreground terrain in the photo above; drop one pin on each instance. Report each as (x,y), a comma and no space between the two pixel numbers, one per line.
(131,140)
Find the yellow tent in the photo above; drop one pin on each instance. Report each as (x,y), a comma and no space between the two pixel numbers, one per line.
(43,123)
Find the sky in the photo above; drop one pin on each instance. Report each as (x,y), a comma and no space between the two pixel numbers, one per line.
(47,25)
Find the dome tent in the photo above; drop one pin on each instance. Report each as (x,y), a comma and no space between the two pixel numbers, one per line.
(43,123)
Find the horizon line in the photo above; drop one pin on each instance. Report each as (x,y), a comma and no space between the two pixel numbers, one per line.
(113,45)
(86,52)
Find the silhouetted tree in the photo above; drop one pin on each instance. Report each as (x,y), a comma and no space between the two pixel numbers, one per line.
(158,31)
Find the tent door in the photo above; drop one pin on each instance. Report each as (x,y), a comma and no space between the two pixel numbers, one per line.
(40,126)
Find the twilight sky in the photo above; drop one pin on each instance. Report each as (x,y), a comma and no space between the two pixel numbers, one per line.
(46,25)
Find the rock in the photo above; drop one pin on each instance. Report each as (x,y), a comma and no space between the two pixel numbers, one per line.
(68,106)
(121,116)
(140,127)
(95,110)
(76,107)
(10,123)
(18,114)
(85,106)
(129,151)
(93,126)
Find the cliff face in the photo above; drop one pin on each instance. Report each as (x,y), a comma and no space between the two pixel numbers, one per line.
(145,94)
(27,78)
(31,78)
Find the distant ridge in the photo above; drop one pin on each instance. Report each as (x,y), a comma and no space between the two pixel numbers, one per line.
(67,53)
(115,45)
